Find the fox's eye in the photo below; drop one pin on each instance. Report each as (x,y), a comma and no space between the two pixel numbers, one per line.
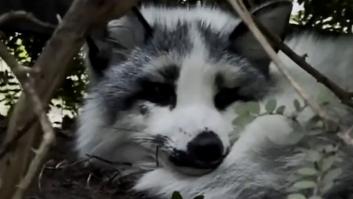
(159,93)
(226,96)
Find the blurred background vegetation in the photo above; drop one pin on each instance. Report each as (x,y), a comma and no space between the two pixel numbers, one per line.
(26,40)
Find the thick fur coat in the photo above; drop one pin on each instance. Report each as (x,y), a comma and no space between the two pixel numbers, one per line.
(165,102)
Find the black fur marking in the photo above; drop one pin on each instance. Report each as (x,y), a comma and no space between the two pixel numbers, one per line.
(170,73)
(122,82)
(143,109)
(162,94)
(242,29)
(227,96)
(215,42)
(221,49)
(165,41)
(99,58)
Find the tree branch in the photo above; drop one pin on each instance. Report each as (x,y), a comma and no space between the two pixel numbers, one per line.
(20,71)
(52,65)
(244,14)
(20,14)
(48,136)
(47,140)
(345,96)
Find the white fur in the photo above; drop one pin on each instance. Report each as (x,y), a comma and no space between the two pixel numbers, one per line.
(237,167)
(326,55)
(215,18)
(196,112)
(194,94)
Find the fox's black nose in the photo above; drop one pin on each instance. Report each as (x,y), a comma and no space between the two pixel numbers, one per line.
(206,148)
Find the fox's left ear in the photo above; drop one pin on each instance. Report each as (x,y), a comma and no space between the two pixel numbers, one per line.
(274,16)
(112,44)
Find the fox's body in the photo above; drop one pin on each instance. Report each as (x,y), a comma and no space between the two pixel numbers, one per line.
(172,92)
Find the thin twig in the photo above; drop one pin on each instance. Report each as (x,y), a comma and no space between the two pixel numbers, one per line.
(20,14)
(40,176)
(244,14)
(108,161)
(345,96)
(66,40)
(21,72)
(47,140)
(10,145)
(48,136)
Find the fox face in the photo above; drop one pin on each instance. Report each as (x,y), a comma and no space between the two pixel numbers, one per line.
(171,77)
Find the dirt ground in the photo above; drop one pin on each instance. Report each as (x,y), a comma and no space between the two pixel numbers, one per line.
(65,177)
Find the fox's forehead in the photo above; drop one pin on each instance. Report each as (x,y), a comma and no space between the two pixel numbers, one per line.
(192,50)
(195,38)
(215,18)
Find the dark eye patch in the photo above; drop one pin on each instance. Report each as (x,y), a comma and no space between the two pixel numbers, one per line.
(227,96)
(162,94)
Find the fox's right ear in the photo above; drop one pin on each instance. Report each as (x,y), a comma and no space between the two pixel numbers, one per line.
(113,43)
(274,16)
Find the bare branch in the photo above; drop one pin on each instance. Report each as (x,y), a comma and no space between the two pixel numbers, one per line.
(52,65)
(48,136)
(7,146)
(108,161)
(20,71)
(244,14)
(47,140)
(345,96)
(20,14)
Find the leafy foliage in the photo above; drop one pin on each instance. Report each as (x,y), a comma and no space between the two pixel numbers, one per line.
(332,15)
(319,174)
(319,171)
(27,47)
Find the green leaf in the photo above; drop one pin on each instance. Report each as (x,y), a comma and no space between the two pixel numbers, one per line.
(242,109)
(305,184)
(242,121)
(296,196)
(328,162)
(253,107)
(271,105)
(327,186)
(176,195)
(296,104)
(313,156)
(247,108)
(332,175)
(307,171)
(280,110)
